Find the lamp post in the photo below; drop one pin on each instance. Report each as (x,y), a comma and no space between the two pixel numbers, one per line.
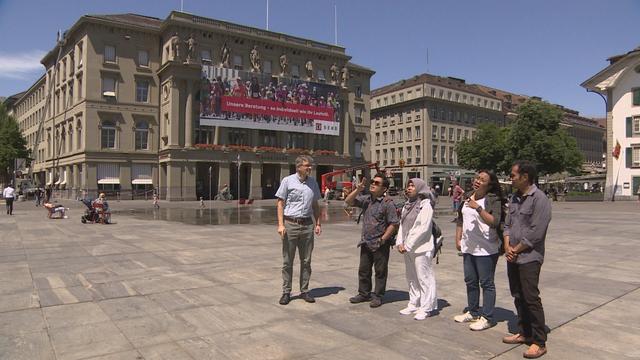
(210,188)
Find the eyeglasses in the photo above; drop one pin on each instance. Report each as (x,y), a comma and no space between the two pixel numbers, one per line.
(376,182)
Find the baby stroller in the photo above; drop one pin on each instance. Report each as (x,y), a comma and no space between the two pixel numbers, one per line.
(90,214)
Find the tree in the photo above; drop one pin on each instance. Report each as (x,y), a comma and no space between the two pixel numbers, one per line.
(535,135)
(12,144)
(486,150)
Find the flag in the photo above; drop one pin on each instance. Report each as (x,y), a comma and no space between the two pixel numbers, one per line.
(616,150)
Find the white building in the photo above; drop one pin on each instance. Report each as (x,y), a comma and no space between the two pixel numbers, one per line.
(619,83)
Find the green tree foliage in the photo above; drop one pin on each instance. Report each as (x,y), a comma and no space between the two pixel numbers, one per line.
(486,150)
(535,135)
(12,144)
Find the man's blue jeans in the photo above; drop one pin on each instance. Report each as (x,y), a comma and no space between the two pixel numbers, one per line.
(479,272)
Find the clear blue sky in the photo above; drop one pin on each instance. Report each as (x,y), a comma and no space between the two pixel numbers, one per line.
(544,47)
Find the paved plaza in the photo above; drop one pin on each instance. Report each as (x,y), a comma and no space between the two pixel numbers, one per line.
(158,289)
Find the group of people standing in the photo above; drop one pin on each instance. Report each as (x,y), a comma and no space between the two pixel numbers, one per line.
(486,226)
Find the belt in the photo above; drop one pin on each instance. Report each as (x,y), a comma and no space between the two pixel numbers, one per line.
(300,220)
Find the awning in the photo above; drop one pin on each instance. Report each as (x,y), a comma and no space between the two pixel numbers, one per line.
(50,182)
(142,181)
(109,181)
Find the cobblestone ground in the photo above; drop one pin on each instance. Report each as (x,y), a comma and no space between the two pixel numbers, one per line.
(157,289)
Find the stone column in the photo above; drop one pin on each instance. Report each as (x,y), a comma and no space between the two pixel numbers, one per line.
(174,181)
(125,181)
(92,179)
(188,119)
(77,184)
(255,186)
(216,135)
(189,181)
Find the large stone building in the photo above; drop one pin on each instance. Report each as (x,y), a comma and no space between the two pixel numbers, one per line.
(135,105)
(417,122)
(619,84)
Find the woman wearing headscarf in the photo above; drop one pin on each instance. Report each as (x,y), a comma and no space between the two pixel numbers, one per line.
(477,237)
(415,241)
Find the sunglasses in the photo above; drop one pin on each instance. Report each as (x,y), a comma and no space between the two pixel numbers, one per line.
(376,182)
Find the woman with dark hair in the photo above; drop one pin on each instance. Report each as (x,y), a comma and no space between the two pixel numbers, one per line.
(478,224)
(415,241)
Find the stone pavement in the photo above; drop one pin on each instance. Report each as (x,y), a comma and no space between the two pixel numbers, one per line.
(152,289)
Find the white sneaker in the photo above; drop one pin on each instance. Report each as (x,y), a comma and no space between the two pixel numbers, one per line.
(481,324)
(421,315)
(410,309)
(463,318)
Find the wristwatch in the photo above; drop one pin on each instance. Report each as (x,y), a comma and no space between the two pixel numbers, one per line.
(479,209)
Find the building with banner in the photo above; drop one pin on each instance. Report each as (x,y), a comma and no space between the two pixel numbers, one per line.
(417,122)
(186,105)
(619,84)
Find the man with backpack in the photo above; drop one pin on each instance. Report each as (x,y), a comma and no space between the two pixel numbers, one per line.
(380,223)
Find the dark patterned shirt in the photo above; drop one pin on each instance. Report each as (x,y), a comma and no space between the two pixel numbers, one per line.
(378,215)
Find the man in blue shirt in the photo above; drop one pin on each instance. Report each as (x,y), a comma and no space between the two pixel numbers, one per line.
(297,206)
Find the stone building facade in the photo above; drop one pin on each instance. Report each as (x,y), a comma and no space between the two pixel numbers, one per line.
(117,109)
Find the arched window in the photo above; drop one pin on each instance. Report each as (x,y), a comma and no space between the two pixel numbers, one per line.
(79,131)
(142,135)
(358,149)
(108,134)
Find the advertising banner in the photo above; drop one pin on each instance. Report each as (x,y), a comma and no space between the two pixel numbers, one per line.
(241,99)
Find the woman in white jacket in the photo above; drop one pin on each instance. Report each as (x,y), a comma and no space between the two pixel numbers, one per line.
(415,241)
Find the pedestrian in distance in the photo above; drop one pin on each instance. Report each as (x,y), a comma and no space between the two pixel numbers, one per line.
(477,237)
(9,194)
(379,226)
(297,208)
(415,242)
(525,234)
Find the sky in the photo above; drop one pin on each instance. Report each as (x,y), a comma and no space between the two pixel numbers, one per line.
(540,48)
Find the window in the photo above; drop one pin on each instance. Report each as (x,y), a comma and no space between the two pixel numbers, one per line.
(409,151)
(635,157)
(458,134)
(268,138)
(401,117)
(109,53)
(636,97)
(377,155)
(418,153)
(417,132)
(359,91)
(71,93)
(295,71)
(386,101)
(80,88)
(401,153)
(443,133)
(80,55)
(433,92)
(79,131)
(378,102)
(448,95)
(358,110)
(143,58)
(400,133)
(142,90)
(393,155)
(266,66)
(636,125)
(441,94)
(109,86)
(237,62)
(401,97)
(320,75)
(108,134)
(142,135)
(443,154)
(377,138)
(205,56)
(408,133)
(384,137)
(451,152)
(451,130)
(393,136)
(466,134)
(295,140)
(434,154)
(384,154)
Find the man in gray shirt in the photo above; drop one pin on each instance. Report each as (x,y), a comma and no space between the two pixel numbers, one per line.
(525,230)
(297,206)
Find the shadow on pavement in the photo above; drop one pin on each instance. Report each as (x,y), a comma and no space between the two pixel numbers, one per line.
(325,291)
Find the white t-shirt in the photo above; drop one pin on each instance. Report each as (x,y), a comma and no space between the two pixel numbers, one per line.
(9,192)
(478,238)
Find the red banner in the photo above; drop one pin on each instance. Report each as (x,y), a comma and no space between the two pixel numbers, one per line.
(274,108)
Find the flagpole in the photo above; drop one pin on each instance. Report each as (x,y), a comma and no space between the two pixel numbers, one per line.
(267,14)
(335,23)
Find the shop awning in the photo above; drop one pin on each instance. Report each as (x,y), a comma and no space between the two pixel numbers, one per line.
(142,181)
(109,181)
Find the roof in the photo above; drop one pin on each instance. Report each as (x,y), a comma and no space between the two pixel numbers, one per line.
(447,82)
(617,63)
(12,99)
(131,19)
(360,68)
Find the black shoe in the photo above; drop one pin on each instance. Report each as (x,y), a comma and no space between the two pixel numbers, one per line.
(359,298)
(307,297)
(376,301)
(284,300)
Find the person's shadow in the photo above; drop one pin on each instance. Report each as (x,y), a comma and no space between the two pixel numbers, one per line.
(325,291)
(502,314)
